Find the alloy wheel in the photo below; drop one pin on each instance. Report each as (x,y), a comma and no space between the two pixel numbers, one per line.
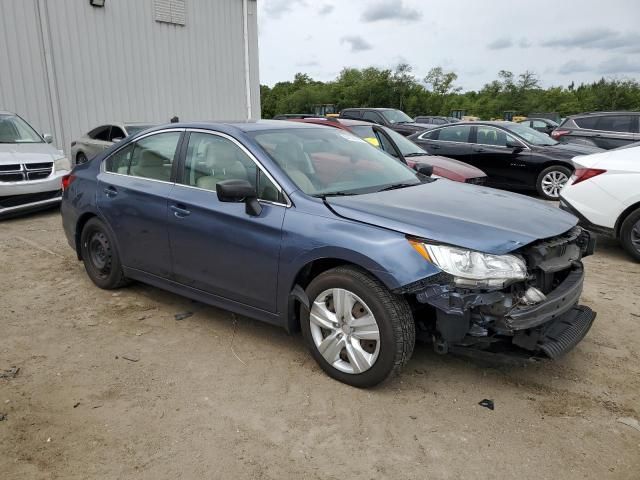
(345,331)
(553,182)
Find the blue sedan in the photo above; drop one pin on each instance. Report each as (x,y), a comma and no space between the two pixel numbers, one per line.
(311,228)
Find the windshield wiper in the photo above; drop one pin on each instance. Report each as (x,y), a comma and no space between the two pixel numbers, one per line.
(396,186)
(334,194)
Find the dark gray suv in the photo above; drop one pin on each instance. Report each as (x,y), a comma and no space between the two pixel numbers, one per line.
(600,129)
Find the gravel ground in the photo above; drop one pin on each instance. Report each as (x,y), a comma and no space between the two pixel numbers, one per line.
(112,386)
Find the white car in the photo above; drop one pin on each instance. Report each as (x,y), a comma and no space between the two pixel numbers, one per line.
(100,138)
(604,193)
(31,170)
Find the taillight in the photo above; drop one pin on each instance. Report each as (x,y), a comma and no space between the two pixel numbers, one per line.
(582,174)
(67,180)
(556,134)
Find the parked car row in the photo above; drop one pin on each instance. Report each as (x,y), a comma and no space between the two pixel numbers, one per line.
(314,228)
(512,155)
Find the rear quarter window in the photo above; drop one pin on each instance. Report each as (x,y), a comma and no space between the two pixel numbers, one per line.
(586,122)
(615,123)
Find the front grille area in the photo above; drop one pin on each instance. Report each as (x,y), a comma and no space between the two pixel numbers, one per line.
(17,200)
(550,260)
(23,172)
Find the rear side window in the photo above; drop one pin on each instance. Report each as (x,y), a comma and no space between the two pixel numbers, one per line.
(459,133)
(586,122)
(116,132)
(101,133)
(153,156)
(615,123)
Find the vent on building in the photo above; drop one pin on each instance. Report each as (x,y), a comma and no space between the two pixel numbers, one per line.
(170,11)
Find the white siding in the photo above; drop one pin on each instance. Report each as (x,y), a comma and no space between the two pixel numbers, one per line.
(118,63)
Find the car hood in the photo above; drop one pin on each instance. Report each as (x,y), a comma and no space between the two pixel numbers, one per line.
(460,214)
(570,150)
(448,167)
(11,153)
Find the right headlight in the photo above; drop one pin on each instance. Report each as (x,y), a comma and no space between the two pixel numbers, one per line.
(471,269)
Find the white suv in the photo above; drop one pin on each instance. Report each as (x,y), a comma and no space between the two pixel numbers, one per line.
(604,193)
(31,170)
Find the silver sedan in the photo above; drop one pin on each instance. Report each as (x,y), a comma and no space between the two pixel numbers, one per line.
(93,142)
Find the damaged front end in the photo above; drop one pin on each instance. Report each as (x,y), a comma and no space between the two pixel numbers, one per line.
(536,316)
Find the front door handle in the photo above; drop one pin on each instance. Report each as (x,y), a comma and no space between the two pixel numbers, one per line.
(180,211)
(435,147)
(111,192)
(478,149)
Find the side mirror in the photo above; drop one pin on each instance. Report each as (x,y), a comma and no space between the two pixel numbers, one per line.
(47,137)
(424,169)
(239,191)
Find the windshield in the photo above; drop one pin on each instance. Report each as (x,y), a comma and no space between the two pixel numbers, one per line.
(323,161)
(396,116)
(135,129)
(532,136)
(15,130)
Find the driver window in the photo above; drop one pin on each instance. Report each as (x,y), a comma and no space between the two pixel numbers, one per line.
(372,117)
(386,145)
(493,136)
(211,159)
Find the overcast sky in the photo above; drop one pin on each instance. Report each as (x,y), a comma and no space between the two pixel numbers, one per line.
(562,41)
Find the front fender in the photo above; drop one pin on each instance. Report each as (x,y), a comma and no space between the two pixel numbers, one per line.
(316,235)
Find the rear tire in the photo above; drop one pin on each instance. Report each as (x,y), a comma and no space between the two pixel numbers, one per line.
(630,234)
(375,331)
(100,256)
(551,180)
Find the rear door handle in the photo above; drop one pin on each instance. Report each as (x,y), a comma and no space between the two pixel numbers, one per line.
(110,192)
(435,147)
(478,149)
(180,211)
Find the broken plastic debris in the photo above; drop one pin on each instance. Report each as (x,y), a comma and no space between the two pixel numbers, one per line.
(182,316)
(486,403)
(11,373)
(630,422)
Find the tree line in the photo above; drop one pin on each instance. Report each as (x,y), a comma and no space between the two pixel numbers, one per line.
(437,94)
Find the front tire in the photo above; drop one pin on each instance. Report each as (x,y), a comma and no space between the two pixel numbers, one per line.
(551,181)
(630,234)
(356,329)
(100,256)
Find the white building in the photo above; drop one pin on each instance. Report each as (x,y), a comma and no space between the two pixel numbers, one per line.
(67,66)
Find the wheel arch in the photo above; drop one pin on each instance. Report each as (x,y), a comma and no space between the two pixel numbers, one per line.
(82,221)
(296,296)
(623,216)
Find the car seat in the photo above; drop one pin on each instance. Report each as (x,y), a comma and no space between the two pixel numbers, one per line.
(294,162)
(222,159)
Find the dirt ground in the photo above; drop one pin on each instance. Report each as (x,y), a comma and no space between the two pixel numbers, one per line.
(112,386)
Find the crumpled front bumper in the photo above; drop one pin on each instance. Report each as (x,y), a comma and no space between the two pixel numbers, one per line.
(551,327)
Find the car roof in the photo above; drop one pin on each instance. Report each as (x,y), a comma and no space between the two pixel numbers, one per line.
(334,122)
(369,108)
(613,112)
(242,125)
